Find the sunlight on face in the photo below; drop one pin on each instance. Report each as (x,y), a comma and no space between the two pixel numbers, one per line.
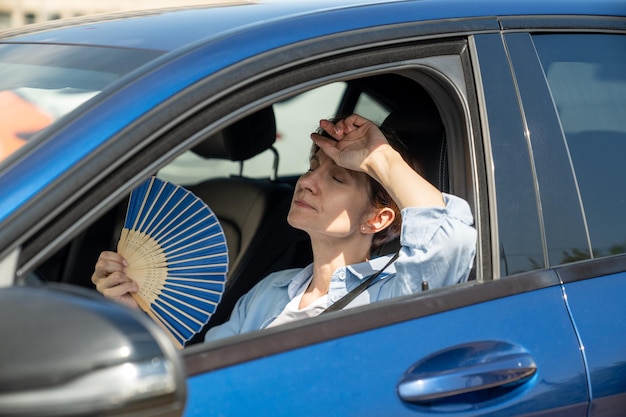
(329,200)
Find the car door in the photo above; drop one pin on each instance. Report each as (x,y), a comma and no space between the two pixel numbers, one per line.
(487,347)
(420,356)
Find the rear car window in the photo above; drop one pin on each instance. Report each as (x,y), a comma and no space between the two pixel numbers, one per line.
(588,85)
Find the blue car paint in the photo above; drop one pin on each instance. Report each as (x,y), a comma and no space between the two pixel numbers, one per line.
(219,50)
(599,312)
(155,31)
(312,381)
(171,29)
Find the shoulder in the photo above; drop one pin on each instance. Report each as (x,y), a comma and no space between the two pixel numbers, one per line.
(458,208)
(275,282)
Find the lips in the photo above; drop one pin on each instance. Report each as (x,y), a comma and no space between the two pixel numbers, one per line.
(303,204)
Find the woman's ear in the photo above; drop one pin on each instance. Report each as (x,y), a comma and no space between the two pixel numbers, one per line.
(380,220)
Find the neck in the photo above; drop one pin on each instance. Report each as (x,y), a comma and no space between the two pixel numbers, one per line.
(328,256)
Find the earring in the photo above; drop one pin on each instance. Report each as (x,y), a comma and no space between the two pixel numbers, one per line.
(362,228)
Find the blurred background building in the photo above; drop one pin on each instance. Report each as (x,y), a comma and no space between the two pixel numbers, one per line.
(16,13)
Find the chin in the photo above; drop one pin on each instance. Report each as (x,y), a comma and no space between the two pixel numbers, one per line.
(297,222)
(291,221)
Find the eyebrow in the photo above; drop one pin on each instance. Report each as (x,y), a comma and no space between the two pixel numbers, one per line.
(315,157)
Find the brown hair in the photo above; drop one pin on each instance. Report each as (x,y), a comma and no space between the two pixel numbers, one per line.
(379,197)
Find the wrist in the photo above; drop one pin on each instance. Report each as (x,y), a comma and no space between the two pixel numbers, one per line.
(382,162)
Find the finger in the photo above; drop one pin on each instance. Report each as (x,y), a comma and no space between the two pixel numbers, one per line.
(128,301)
(106,268)
(109,262)
(337,130)
(356,120)
(333,129)
(327,145)
(116,278)
(114,257)
(348,125)
(101,271)
(120,290)
(323,140)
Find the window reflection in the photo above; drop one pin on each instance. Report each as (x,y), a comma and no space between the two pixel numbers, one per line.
(588,85)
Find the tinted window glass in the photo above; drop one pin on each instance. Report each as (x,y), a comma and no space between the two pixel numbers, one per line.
(587,78)
(41,83)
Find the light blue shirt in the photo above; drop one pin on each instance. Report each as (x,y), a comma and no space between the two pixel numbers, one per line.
(438,246)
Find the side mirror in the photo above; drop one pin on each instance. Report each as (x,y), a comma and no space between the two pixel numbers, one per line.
(66,351)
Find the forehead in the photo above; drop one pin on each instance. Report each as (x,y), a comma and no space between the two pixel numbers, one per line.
(320,156)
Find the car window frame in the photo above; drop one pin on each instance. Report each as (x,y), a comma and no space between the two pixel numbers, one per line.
(396,58)
(228,345)
(512,191)
(553,170)
(186,133)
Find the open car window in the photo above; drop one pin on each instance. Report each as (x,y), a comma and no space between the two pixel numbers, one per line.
(409,100)
(296,119)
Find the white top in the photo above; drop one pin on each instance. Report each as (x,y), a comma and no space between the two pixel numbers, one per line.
(291,312)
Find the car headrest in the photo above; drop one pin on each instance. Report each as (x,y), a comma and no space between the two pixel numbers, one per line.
(415,124)
(423,132)
(246,138)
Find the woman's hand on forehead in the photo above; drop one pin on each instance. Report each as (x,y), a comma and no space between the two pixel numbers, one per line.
(356,138)
(359,145)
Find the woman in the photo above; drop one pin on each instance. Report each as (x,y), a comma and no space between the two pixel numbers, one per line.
(354,195)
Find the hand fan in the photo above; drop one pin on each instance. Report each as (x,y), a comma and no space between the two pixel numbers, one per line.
(176,252)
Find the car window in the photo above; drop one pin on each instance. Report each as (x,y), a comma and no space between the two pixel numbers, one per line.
(588,85)
(368,107)
(410,93)
(41,83)
(296,118)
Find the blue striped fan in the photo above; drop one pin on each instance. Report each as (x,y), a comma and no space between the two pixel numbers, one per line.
(176,252)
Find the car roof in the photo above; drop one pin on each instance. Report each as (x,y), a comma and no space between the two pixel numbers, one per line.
(171,28)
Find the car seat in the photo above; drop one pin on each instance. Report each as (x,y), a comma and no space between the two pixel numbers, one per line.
(252,212)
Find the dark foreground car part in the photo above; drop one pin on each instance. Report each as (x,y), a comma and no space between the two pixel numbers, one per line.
(71,353)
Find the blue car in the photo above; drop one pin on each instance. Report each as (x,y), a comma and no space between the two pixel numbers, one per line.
(516,106)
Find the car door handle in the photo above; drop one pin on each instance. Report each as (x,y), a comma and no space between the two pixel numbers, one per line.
(464,369)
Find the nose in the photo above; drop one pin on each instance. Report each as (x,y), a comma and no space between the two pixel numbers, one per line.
(309,181)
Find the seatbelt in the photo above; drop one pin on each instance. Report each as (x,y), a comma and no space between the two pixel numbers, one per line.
(349,297)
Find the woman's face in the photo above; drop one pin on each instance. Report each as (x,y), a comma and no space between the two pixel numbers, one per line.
(329,200)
